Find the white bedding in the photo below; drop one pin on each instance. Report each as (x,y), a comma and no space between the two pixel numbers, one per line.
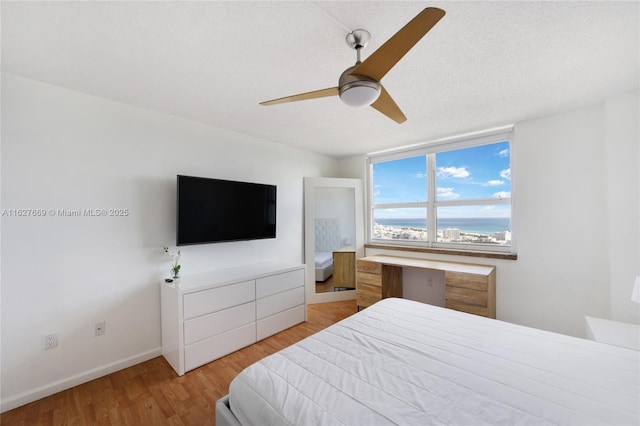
(323,258)
(405,362)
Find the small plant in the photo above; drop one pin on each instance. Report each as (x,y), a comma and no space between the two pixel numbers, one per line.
(175,261)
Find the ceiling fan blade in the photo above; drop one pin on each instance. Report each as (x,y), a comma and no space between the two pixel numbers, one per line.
(387,55)
(386,105)
(332,91)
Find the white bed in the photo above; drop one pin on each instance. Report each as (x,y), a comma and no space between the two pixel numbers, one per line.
(404,362)
(323,265)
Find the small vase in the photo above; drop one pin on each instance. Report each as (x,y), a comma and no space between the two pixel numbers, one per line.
(175,274)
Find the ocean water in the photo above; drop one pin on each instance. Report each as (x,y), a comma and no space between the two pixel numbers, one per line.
(483,225)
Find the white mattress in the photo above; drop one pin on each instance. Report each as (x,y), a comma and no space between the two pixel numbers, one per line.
(323,258)
(405,362)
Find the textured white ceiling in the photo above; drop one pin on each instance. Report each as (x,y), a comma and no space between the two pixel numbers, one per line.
(484,64)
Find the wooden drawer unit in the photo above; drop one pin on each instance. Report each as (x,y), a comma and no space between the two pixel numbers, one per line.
(375,281)
(470,281)
(466,295)
(371,267)
(472,293)
(370,279)
(466,300)
(368,283)
(367,295)
(468,287)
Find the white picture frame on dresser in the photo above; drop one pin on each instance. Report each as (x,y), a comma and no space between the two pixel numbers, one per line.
(207,316)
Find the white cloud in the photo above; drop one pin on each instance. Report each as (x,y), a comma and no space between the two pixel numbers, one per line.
(455,172)
(495,182)
(447,193)
(421,175)
(506,174)
(503,153)
(502,194)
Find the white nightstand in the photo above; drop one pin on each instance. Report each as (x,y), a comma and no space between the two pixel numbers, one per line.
(613,332)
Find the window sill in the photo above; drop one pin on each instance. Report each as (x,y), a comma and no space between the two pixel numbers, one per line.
(485,254)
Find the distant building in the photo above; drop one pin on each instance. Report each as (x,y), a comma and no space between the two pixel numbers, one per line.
(502,236)
(452,234)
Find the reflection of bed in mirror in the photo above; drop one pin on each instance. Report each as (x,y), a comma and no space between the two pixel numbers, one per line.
(324,265)
(327,233)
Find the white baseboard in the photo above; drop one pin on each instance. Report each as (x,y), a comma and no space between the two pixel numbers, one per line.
(40,392)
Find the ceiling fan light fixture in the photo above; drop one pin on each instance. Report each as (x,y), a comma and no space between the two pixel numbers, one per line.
(360,93)
(359,85)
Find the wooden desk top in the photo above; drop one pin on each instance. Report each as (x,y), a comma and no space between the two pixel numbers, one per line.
(345,249)
(409,262)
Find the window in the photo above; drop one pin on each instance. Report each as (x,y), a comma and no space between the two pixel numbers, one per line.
(450,194)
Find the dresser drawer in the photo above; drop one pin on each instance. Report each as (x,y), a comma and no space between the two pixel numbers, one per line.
(218,346)
(278,322)
(279,302)
(366,266)
(216,299)
(466,296)
(278,283)
(367,295)
(209,325)
(470,309)
(465,280)
(370,279)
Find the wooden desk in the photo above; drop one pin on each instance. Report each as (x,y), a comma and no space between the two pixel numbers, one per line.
(468,287)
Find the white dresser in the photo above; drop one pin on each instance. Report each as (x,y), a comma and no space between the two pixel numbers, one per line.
(207,316)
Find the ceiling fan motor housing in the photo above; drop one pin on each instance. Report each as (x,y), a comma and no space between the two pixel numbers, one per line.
(357,90)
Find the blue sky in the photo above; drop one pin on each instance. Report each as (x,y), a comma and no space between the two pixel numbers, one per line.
(463,174)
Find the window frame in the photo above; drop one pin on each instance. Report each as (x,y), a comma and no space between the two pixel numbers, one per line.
(429,151)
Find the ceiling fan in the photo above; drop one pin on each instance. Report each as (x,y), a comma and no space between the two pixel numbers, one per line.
(360,85)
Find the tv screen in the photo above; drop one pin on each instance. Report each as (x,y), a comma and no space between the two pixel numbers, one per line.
(215,210)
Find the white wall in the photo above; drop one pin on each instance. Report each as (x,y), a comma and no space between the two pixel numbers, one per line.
(622,141)
(569,192)
(338,203)
(66,150)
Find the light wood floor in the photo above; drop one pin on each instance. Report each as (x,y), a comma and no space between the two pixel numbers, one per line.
(151,393)
(326,286)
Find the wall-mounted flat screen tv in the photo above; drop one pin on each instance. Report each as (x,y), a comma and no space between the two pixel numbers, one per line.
(216,210)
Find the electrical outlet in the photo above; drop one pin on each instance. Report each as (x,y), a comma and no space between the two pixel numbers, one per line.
(100,328)
(50,341)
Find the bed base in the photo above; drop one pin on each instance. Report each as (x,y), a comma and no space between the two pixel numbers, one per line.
(224,416)
(323,273)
